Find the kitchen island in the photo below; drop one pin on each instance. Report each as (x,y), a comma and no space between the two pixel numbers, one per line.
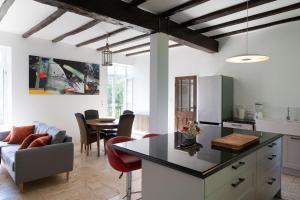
(201,172)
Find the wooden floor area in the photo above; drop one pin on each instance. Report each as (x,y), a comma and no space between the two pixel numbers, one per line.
(93,179)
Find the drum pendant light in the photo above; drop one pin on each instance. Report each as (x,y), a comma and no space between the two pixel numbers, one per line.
(247,58)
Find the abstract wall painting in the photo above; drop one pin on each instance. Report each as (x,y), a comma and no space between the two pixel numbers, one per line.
(63,77)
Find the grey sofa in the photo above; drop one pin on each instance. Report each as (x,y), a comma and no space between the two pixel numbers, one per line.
(39,162)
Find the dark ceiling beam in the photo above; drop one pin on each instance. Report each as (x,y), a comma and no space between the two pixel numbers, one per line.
(77,30)
(148,50)
(251,18)
(123,14)
(51,18)
(5,7)
(225,12)
(133,47)
(101,37)
(182,7)
(124,41)
(137,2)
(293,19)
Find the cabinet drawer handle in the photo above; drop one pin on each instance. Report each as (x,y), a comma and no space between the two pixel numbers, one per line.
(238,182)
(270,182)
(271,157)
(272,145)
(295,138)
(238,165)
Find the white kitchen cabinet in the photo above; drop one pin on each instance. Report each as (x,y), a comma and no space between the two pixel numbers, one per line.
(291,150)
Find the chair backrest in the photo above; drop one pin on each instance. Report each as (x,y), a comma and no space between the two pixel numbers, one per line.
(91,114)
(82,126)
(125,125)
(114,155)
(128,112)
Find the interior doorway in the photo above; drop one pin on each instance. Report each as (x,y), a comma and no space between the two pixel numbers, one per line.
(185,100)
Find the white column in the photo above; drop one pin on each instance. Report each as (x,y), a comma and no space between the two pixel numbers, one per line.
(159,76)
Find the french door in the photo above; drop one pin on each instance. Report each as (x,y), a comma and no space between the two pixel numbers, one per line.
(185,100)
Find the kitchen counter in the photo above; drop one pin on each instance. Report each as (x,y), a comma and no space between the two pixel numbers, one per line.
(164,150)
(202,169)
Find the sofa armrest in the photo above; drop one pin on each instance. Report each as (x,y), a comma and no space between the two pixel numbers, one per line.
(40,162)
(3,135)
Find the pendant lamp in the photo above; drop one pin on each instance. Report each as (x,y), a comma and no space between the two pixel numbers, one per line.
(107,55)
(247,58)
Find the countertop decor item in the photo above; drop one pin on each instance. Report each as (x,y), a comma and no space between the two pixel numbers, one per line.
(247,58)
(190,130)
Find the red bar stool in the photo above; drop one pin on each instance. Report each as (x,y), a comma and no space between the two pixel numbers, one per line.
(151,135)
(122,161)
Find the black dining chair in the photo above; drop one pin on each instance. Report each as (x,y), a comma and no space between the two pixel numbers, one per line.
(91,114)
(124,128)
(128,112)
(87,136)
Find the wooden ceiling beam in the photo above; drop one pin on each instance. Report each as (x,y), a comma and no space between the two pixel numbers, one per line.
(293,19)
(101,37)
(148,50)
(132,47)
(51,18)
(182,7)
(123,14)
(124,41)
(225,12)
(137,2)
(77,30)
(5,7)
(251,18)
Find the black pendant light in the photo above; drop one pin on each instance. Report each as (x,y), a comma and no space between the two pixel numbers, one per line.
(107,55)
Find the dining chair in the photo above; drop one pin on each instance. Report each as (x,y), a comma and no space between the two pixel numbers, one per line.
(91,114)
(87,136)
(124,128)
(128,112)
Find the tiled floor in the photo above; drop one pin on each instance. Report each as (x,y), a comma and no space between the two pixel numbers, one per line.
(92,179)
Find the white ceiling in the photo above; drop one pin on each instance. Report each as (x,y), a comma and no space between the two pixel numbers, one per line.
(24,14)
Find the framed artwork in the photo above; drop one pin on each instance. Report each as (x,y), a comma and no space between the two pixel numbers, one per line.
(62,77)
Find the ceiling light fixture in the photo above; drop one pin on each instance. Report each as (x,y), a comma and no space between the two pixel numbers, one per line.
(107,55)
(247,58)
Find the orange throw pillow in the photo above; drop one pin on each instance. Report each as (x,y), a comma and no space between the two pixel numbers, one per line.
(41,141)
(30,139)
(18,134)
(7,138)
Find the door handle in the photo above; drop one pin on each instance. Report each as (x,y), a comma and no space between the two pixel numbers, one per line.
(272,145)
(271,181)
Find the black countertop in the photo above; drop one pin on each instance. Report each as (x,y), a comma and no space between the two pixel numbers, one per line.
(200,160)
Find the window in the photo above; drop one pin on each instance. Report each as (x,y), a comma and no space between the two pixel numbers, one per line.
(120,90)
(4,87)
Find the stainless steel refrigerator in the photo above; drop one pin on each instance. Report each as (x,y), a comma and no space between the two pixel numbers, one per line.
(215,99)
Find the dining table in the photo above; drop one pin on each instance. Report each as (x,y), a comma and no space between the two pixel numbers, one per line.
(98,125)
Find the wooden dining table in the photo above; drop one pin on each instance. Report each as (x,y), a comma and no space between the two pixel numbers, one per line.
(99,125)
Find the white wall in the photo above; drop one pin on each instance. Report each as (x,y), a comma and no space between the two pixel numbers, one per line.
(56,110)
(275,82)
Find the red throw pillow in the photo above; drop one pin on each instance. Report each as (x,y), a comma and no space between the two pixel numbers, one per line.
(18,134)
(30,139)
(41,141)
(7,138)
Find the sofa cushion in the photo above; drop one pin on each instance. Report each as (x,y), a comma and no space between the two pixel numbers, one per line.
(40,127)
(8,155)
(18,134)
(30,139)
(58,136)
(41,141)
